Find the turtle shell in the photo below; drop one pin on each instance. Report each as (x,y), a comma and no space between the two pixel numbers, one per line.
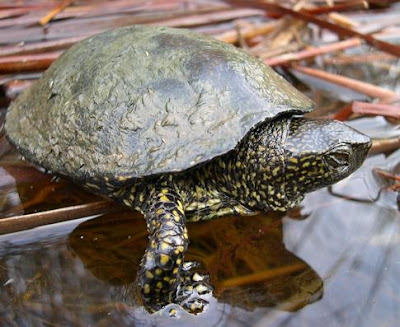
(140,101)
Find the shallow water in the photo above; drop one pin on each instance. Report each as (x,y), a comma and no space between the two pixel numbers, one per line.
(337,267)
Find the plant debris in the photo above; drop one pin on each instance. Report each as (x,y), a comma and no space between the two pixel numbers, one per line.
(346,61)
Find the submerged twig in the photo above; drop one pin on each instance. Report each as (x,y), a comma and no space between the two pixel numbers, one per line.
(13,88)
(18,223)
(384,145)
(387,110)
(365,108)
(208,18)
(23,63)
(353,198)
(5,146)
(359,58)
(309,53)
(378,171)
(247,32)
(60,7)
(39,47)
(358,86)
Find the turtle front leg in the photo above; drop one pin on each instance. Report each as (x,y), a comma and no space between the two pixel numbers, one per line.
(163,277)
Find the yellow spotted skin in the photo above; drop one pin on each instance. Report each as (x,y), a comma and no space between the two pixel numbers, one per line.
(270,169)
(161,278)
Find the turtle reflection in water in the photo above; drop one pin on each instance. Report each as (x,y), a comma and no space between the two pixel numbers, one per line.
(182,128)
(248,262)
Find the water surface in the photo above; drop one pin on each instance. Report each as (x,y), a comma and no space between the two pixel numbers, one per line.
(336,266)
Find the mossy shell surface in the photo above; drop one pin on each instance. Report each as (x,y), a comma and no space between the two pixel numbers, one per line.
(141,101)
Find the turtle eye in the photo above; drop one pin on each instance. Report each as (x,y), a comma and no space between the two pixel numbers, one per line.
(338,159)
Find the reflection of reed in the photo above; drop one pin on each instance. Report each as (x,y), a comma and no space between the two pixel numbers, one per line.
(262,276)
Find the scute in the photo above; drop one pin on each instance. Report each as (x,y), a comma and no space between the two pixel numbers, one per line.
(139,101)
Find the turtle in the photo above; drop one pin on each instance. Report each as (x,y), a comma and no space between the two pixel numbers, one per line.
(181,127)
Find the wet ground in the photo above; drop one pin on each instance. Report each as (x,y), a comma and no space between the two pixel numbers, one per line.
(337,265)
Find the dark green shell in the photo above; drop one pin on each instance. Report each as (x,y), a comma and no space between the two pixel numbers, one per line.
(142,100)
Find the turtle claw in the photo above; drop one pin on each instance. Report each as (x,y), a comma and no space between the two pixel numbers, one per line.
(193,288)
(188,265)
(188,292)
(195,306)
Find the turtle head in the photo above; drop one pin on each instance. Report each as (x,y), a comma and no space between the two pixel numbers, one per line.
(320,152)
(285,158)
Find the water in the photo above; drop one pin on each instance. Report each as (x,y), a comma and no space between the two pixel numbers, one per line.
(338,266)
